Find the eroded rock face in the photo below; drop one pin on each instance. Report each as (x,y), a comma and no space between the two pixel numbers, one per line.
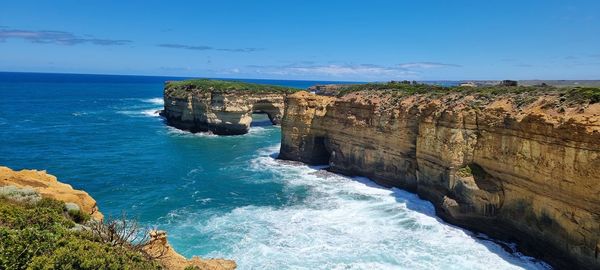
(222,113)
(158,247)
(47,185)
(527,172)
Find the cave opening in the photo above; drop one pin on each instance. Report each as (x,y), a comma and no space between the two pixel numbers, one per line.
(265,109)
(261,119)
(320,154)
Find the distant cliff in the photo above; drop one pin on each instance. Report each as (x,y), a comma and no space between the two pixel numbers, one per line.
(221,107)
(519,163)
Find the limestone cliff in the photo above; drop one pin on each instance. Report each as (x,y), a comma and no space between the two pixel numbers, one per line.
(220,107)
(519,164)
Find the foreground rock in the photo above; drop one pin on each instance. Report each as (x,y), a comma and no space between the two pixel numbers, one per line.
(32,185)
(159,248)
(520,164)
(47,185)
(221,107)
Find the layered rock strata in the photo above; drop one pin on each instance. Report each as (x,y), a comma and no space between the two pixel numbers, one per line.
(222,109)
(522,167)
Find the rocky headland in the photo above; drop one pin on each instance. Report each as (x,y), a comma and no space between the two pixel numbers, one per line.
(45,222)
(221,107)
(518,163)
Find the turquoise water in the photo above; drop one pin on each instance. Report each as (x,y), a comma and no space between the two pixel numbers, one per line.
(222,196)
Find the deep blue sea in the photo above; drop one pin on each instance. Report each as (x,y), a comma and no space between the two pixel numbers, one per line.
(222,196)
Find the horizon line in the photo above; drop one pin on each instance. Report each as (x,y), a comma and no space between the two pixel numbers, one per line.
(272,79)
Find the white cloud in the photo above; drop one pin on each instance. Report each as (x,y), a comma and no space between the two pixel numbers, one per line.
(336,70)
(426,65)
(57,37)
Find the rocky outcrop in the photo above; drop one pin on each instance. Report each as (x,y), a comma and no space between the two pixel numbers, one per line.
(158,247)
(38,183)
(31,185)
(522,167)
(221,109)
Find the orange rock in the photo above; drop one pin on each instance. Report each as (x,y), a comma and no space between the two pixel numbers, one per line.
(159,248)
(48,186)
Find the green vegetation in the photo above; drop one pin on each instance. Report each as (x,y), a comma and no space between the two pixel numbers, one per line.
(464,172)
(585,93)
(405,88)
(181,88)
(471,170)
(44,235)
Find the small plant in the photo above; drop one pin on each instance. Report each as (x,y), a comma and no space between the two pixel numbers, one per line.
(473,170)
(464,172)
(121,232)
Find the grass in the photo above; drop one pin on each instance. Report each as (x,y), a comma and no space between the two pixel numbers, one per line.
(573,94)
(44,235)
(182,88)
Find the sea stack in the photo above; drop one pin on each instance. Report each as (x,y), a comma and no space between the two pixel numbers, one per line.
(221,107)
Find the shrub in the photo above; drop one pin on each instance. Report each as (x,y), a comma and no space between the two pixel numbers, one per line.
(585,93)
(78,216)
(78,253)
(40,236)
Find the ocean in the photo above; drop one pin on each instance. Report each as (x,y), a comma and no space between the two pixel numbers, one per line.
(223,196)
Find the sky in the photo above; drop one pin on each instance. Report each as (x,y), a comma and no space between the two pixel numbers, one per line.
(370,40)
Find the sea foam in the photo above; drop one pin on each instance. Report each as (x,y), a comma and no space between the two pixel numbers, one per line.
(344,223)
(155,101)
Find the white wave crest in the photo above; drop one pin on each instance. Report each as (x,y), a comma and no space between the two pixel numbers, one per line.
(155,101)
(344,223)
(184,133)
(154,112)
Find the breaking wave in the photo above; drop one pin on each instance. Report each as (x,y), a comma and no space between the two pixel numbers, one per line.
(344,223)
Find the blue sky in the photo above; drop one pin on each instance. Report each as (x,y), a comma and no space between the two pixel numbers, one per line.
(322,40)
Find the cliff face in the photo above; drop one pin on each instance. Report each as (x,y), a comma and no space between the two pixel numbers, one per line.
(221,113)
(520,167)
(221,107)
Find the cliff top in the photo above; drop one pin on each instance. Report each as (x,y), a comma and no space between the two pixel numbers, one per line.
(180,88)
(575,94)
